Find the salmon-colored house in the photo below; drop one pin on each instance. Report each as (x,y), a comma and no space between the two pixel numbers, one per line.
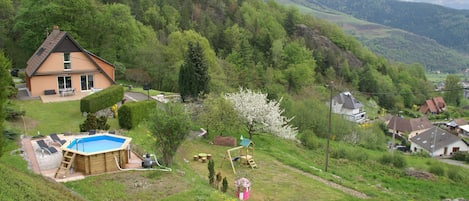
(60,66)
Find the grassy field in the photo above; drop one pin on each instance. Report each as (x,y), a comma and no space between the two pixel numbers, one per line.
(285,172)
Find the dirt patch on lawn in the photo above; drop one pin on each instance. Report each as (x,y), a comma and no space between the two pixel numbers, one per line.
(147,181)
(28,124)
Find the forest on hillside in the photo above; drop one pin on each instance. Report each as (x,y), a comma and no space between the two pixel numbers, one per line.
(445,25)
(254,44)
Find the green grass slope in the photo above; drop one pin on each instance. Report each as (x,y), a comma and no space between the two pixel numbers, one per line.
(286,171)
(23,185)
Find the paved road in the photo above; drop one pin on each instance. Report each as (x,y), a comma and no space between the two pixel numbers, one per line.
(454,162)
(135,96)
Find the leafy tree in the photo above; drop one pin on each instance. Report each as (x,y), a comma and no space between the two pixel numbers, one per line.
(36,17)
(175,55)
(218,115)
(193,75)
(5,80)
(291,20)
(258,113)
(453,90)
(170,124)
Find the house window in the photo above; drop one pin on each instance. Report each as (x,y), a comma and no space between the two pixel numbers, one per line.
(64,82)
(67,62)
(87,82)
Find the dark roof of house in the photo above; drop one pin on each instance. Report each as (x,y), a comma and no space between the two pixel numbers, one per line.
(348,100)
(409,125)
(44,51)
(427,139)
(49,45)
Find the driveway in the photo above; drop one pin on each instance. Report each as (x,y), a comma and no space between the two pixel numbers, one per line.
(135,96)
(454,162)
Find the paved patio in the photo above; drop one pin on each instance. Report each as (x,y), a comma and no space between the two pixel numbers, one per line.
(46,164)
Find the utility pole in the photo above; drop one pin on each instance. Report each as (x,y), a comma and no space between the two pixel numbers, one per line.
(434,141)
(393,136)
(329,127)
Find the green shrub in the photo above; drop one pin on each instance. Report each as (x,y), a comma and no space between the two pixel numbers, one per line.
(399,161)
(309,140)
(92,122)
(460,156)
(102,99)
(224,185)
(12,114)
(437,169)
(395,160)
(455,175)
(349,154)
(131,114)
(10,134)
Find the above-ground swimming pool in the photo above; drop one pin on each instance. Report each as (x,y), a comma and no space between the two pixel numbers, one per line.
(97,154)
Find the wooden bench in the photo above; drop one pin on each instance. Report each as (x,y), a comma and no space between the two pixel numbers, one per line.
(49,92)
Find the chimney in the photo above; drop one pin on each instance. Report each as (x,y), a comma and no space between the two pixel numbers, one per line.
(55,27)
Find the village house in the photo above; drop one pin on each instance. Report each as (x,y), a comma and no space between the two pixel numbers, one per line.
(455,125)
(435,105)
(61,67)
(349,107)
(438,142)
(409,127)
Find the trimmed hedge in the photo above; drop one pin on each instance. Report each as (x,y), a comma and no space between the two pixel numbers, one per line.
(131,114)
(102,99)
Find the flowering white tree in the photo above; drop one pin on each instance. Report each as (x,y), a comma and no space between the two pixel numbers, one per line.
(258,113)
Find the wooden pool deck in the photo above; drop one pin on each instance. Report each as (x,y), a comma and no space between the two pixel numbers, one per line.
(47,164)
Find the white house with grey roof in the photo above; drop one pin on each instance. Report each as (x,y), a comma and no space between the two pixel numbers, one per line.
(437,142)
(349,107)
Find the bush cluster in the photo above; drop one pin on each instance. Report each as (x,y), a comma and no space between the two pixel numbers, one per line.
(461,156)
(349,154)
(102,99)
(92,122)
(396,160)
(131,114)
(437,169)
(309,140)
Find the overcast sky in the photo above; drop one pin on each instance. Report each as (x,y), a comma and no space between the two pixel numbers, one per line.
(457,4)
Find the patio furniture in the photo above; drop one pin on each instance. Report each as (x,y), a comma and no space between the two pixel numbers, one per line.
(56,138)
(92,132)
(67,92)
(45,148)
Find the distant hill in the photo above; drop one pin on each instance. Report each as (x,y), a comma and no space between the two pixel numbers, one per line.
(446,26)
(456,4)
(393,43)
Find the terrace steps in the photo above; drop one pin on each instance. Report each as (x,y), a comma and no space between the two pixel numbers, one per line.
(66,164)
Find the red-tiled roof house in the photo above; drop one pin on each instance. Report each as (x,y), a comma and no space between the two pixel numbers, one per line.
(435,105)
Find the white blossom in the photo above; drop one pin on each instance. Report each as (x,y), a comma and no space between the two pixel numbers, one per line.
(259,113)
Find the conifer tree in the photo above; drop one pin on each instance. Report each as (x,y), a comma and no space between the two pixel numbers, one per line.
(193,75)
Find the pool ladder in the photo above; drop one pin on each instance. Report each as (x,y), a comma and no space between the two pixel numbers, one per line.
(66,164)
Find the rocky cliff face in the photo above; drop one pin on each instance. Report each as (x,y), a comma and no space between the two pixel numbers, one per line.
(317,42)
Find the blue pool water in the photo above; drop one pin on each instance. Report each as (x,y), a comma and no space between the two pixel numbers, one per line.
(96,143)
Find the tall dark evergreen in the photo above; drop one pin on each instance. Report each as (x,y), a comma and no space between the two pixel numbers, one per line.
(193,75)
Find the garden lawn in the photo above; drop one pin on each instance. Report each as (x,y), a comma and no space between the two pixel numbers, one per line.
(57,117)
